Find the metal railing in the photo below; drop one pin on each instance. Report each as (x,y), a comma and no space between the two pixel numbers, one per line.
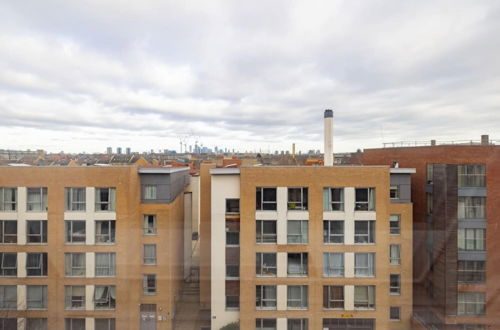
(402,144)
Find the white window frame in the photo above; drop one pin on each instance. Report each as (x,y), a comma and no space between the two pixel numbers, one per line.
(146,287)
(147,229)
(150,260)
(111,323)
(68,323)
(5,303)
(264,237)
(36,323)
(42,205)
(369,204)
(4,235)
(365,270)
(331,300)
(265,269)
(329,268)
(471,207)
(300,302)
(328,234)
(395,288)
(42,302)
(395,254)
(264,202)
(105,206)
(370,303)
(304,265)
(370,232)
(43,235)
(40,267)
(302,237)
(69,257)
(150,191)
(70,235)
(12,205)
(466,236)
(259,324)
(301,204)
(72,204)
(395,308)
(70,299)
(395,224)
(4,268)
(108,270)
(471,175)
(394,191)
(108,292)
(471,303)
(331,205)
(108,238)
(263,301)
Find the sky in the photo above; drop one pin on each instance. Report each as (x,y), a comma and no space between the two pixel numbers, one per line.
(247,75)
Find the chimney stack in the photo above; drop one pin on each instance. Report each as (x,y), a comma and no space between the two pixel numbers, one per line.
(485,140)
(328,152)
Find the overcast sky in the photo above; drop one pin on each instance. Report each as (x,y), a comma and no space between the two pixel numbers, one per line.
(250,75)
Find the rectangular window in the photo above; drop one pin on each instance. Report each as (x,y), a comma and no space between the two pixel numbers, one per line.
(36,231)
(394,192)
(74,324)
(37,199)
(149,224)
(297,198)
(36,324)
(8,199)
(36,297)
(265,324)
(471,303)
(471,271)
(266,199)
(365,199)
(333,297)
(471,176)
(8,232)
(364,264)
(149,191)
(8,265)
(297,296)
(333,199)
(471,207)
(232,238)
(104,297)
(232,302)
(395,254)
(333,264)
(232,205)
(395,313)
(333,232)
(265,297)
(297,264)
(364,297)
(105,199)
(430,173)
(232,271)
(36,264)
(430,203)
(105,232)
(395,224)
(266,231)
(8,323)
(74,264)
(105,324)
(8,297)
(74,199)
(105,264)
(364,232)
(395,284)
(149,284)
(149,254)
(297,324)
(297,231)
(265,264)
(471,239)
(74,296)
(75,231)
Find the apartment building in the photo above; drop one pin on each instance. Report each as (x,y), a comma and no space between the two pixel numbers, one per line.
(309,247)
(91,248)
(456,261)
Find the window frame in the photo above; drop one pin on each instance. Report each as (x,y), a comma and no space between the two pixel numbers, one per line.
(369,267)
(8,269)
(260,202)
(42,302)
(395,260)
(3,234)
(229,271)
(370,233)
(111,323)
(303,235)
(300,303)
(266,238)
(105,271)
(71,202)
(149,260)
(8,304)
(147,230)
(4,203)
(471,175)
(328,234)
(150,191)
(361,205)
(69,256)
(395,284)
(304,265)
(148,290)
(43,264)
(71,301)
(259,256)
(302,204)
(39,323)
(395,313)
(330,204)
(110,291)
(70,234)
(261,300)
(330,300)
(329,270)
(370,303)
(68,323)
(110,205)
(43,204)
(463,303)
(231,209)
(479,243)
(259,324)
(43,235)
(471,207)
(394,191)
(470,272)
(395,224)
(111,235)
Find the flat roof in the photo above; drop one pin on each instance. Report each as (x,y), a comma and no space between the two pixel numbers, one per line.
(161,170)
(403,170)
(224,171)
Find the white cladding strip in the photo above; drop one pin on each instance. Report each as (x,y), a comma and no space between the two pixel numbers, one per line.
(282,297)
(282,198)
(298,215)
(21,297)
(349,264)
(349,297)
(282,264)
(89,297)
(90,264)
(282,324)
(21,264)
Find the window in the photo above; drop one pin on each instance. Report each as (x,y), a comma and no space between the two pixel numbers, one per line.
(471,175)
(105,264)
(149,224)
(8,323)
(150,254)
(430,173)
(364,264)
(74,199)
(297,296)
(149,191)
(333,264)
(8,232)
(348,324)
(333,297)
(265,324)
(232,205)
(364,232)
(333,199)
(104,297)
(395,284)
(395,254)
(74,297)
(232,302)
(36,297)
(105,324)
(37,199)
(297,198)
(149,284)
(105,232)
(395,224)
(74,264)
(74,324)
(471,239)
(36,324)
(430,203)
(394,192)
(8,297)
(233,271)
(266,231)
(395,313)
(8,198)
(105,199)
(36,231)
(265,264)
(297,324)
(365,199)
(266,296)
(266,199)
(297,264)
(75,231)
(471,207)
(364,297)
(232,238)
(36,264)
(471,303)
(297,231)
(470,271)
(333,232)
(8,266)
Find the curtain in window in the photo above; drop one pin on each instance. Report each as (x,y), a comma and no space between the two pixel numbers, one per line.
(78,263)
(34,199)
(371,199)
(101,294)
(327,198)
(361,264)
(37,296)
(395,254)
(112,199)
(149,192)
(103,264)
(36,324)
(337,264)
(9,199)
(79,199)
(360,294)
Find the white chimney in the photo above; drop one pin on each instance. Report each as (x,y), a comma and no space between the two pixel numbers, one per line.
(328,152)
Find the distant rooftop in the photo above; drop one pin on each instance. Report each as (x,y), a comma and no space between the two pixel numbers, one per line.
(485,141)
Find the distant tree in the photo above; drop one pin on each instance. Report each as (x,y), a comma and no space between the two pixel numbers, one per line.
(231,326)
